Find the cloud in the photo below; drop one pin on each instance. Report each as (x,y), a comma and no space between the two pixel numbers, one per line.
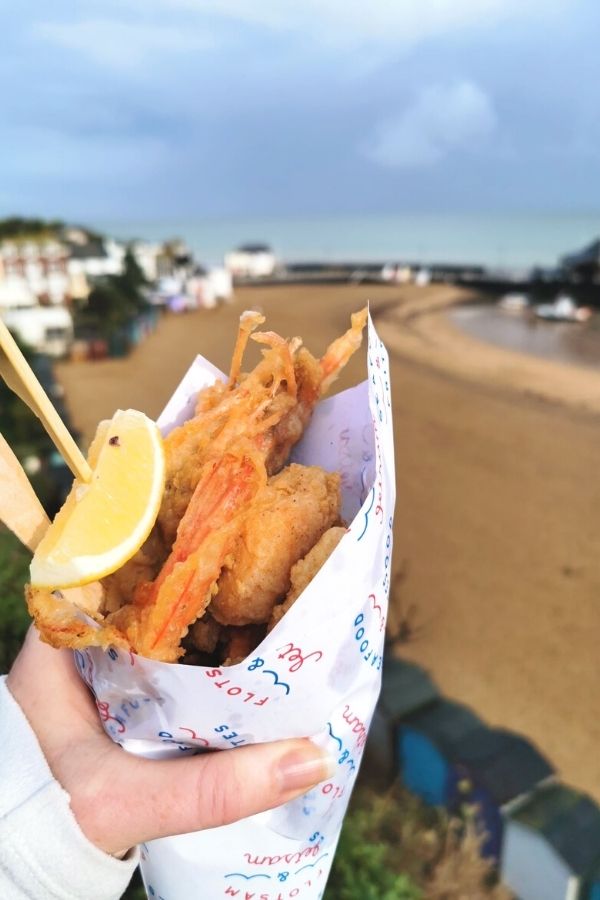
(122,45)
(399,24)
(442,119)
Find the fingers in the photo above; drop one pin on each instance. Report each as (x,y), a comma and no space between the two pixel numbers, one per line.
(45,684)
(37,658)
(148,799)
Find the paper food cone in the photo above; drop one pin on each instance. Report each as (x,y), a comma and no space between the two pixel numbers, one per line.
(317,674)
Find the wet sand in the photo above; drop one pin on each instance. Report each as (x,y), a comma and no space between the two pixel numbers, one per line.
(497,570)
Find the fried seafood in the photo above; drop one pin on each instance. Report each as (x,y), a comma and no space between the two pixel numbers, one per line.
(305,569)
(287,518)
(143,566)
(231,523)
(205,633)
(62,624)
(240,642)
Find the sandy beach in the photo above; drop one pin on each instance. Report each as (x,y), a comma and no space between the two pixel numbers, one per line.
(497,570)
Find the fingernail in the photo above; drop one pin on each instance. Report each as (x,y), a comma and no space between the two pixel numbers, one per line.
(302,769)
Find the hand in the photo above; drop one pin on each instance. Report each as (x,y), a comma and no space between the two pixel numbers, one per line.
(121,800)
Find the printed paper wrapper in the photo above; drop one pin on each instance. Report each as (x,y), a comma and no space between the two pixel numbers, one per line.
(317,674)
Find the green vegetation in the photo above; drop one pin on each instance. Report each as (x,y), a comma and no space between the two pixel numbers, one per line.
(363,868)
(20,428)
(394,847)
(114,301)
(380,852)
(21,228)
(135,891)
(14,619)
(26,436)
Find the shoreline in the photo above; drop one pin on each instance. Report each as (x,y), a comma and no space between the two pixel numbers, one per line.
(423,333)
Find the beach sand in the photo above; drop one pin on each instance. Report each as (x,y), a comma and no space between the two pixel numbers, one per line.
(497,571)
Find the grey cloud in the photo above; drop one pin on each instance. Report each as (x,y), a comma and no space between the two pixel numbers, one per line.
(216,107)
(442,119)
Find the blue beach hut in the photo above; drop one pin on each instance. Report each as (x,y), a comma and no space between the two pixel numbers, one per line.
(405,688)
(494,767)
(590,888)
(551,848)
(427,741)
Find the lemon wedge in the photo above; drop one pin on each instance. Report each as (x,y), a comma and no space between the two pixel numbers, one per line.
(104,522)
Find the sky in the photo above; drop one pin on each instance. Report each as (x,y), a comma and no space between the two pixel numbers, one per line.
(159,109)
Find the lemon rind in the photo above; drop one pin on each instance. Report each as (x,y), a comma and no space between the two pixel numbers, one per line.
(85,569)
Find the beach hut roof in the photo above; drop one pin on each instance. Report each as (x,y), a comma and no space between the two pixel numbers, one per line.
(590,255)
(445,723)
(503,763)
(592,875)
(568,820)
(93,249)
(405,688)
(254,248)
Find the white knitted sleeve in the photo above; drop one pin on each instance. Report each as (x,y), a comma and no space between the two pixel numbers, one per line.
(44,855)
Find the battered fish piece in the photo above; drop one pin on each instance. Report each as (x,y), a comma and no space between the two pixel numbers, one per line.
(305,570)
(288,516)
(241,642)
(205,633)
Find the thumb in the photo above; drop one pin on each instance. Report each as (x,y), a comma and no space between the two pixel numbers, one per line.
(157,798)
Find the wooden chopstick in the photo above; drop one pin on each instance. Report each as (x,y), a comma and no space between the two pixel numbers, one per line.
(20,508)
(19,377)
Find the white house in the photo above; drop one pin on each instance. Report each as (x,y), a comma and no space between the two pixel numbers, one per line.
(251,261)
(15,293)
(48,329)
(206,287)
(221,283)
(37,267)
(95,258)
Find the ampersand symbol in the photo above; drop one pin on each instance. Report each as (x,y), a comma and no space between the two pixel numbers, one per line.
(256,664)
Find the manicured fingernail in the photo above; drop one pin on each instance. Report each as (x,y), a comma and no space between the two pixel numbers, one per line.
(302,769)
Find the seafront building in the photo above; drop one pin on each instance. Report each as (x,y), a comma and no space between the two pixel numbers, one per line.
(43,274)
(33,268)
(50,271)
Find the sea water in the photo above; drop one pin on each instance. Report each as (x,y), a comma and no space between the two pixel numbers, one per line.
(577,343)
(498,240)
